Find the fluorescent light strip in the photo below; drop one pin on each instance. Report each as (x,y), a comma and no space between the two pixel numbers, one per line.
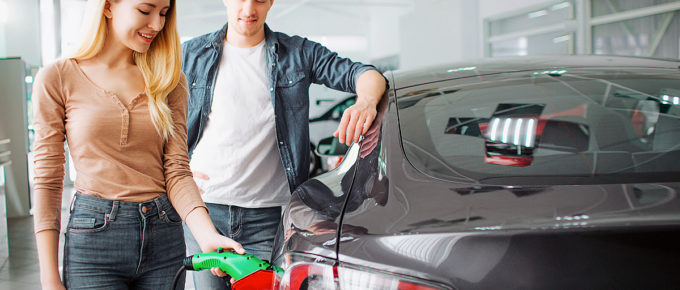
(531,131)
(518,131)
(494,129)
(506,128)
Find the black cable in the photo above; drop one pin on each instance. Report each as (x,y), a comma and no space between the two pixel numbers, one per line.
(338,231)
(177,276)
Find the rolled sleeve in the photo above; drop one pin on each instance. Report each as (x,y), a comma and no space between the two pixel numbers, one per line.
(333,71)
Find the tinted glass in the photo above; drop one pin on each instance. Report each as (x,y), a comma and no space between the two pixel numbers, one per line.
(554,127)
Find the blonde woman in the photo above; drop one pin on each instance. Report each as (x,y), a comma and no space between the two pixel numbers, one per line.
(120,102)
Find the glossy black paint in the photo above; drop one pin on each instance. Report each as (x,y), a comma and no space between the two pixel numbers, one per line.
(465,235)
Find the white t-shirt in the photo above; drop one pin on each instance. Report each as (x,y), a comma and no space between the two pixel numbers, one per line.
(238,147)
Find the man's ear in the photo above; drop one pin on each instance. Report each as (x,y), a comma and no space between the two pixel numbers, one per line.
(107,10)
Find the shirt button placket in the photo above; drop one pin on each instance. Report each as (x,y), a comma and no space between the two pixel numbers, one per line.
(126,125)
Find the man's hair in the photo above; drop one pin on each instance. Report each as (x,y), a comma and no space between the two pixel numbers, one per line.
(161,65)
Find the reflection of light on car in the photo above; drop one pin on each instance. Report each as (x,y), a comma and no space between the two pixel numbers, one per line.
(521,131)
(666,100)
(511,138)
(571,218)
(462,69)
(551,72)
(332,162)
(431,249)
(489,228)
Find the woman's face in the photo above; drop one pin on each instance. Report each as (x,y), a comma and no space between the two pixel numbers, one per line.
(135,23)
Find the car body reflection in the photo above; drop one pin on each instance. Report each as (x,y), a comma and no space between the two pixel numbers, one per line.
(447,201)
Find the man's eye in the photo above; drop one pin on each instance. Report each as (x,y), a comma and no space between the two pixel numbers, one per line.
(143,12)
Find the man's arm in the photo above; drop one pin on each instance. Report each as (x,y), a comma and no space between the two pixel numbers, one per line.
(342,74)
(358,118)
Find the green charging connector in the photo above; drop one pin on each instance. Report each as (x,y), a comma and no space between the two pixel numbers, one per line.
(235,265)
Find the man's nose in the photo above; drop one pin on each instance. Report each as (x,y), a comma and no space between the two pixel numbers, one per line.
(249,7)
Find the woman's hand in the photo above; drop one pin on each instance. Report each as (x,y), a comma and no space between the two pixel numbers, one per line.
(216,241)
(209,240)
(220,241)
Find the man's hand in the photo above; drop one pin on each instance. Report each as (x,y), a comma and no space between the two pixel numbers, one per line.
(200,175)
(355,122)
(357,119)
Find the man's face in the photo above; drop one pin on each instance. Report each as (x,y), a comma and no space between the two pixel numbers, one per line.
(247,17)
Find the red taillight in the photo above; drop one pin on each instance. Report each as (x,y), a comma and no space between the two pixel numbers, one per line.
(318,276)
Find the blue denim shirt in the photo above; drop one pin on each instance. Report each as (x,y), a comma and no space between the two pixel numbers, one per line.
(293,63)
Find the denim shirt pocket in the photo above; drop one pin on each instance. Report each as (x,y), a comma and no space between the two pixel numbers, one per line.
(197,90)
(290,89)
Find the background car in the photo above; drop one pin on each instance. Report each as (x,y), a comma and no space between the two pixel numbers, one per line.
(323,126)
(529,173)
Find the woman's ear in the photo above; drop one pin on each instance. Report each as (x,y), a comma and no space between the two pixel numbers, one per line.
(107,10)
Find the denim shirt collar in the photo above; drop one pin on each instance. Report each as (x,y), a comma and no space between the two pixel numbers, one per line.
(270,39)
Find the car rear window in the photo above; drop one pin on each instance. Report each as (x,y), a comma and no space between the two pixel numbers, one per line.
(553,126)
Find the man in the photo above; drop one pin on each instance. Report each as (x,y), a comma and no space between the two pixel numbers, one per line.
(248,120)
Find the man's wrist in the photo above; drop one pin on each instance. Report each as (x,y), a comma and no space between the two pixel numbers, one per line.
(371,102)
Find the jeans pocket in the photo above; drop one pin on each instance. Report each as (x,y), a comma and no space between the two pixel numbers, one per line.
(171,217)
(85,220)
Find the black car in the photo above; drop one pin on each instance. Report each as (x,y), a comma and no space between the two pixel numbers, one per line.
(530,173)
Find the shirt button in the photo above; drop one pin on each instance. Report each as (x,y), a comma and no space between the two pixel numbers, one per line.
(271,89)
(290,82)
(288,168)
(281,143)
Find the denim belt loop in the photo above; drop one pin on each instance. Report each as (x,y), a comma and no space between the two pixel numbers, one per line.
(160,209)
(114,210)
(73,202)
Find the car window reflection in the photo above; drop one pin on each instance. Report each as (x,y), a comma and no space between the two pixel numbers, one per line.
(585,124)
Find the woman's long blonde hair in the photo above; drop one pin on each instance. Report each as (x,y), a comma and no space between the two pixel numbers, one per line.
(161,65)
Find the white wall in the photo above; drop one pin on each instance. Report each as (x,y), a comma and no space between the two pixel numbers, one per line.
(489,8)
(431,34)
(20,32)
(443,31)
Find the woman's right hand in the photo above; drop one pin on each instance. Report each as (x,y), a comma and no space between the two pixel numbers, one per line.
(209,240)
(219,241)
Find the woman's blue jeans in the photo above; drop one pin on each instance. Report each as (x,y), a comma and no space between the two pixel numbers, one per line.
(122,245)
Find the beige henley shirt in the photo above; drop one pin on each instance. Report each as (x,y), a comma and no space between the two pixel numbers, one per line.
(116,150)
